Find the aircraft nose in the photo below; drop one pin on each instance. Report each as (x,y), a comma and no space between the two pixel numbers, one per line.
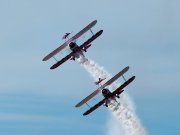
(71,45)
(104,91)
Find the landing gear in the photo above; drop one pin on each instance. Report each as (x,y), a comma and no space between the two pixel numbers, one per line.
(72,58)
(105,105)
(117,96)
(84,50)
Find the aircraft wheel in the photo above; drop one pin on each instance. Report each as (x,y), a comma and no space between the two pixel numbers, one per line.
(117,96)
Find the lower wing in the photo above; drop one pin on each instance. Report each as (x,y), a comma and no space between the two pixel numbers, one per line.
(62,61)
(94,107)
(119,90)
(91,39)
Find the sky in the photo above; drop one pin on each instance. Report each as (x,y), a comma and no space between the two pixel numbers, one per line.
(141,34)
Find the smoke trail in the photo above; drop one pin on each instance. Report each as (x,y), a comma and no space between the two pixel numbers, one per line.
(124,112)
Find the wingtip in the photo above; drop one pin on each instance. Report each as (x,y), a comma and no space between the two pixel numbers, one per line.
(127,67)
(95,21)
(133,77)
(77,105)
(44,59)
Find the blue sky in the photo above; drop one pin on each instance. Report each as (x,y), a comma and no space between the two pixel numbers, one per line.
(141,34)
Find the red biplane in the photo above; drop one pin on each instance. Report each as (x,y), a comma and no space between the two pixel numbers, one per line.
(77,51)
(108,95)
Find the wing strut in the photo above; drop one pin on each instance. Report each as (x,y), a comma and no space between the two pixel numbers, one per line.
(91,32)
(124,78)
(88,105)
(55,58)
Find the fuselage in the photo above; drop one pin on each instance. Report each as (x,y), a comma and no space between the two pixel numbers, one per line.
(76,50)
(108,96)
(106,93)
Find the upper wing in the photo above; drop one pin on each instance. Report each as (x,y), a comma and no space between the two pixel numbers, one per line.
(80,33)
(71,39)
(114,78)
(62,61)
(94,107)
(104,85)
(87,98)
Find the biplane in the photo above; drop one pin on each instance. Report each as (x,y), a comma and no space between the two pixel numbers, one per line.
(76,50)
(107,94)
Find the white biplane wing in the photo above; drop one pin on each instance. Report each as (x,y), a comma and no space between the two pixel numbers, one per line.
(80,33)
(103,86)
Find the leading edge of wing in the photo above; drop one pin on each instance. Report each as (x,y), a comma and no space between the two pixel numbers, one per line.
(119,90)
(80,33)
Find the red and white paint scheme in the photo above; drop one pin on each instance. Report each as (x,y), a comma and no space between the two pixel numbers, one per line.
(106,93)
(99,81)
(77,50)
(66,36)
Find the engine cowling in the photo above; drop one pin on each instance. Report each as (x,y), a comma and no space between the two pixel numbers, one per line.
(105,92)
(72,45)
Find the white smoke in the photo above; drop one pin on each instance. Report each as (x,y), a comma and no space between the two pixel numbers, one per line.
(124,112)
